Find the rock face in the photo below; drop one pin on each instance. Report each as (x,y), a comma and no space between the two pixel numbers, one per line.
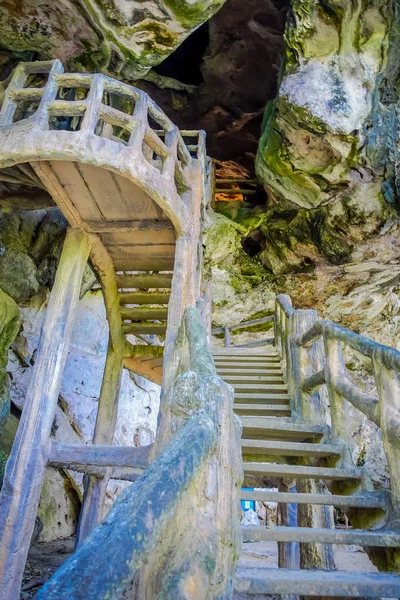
(117,37)
(75,420)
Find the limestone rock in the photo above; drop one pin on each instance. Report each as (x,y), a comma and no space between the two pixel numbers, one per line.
(117,37)
(9,327)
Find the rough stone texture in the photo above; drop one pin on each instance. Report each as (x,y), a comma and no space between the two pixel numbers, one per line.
(138,407)
(239,71)
(9,327)
(116,37)
(362,294)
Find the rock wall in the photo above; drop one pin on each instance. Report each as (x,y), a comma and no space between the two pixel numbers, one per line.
(33,241)
(116,37)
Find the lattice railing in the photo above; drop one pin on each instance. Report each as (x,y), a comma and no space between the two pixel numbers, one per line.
(313,351)
(101,106)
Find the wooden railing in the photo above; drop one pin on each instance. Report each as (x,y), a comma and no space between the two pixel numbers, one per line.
(171,496)
(312,350)
(226,330)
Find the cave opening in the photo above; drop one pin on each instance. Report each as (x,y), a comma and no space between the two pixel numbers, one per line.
(185,62)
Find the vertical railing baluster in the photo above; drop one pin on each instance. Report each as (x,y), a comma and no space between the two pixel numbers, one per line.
(388,387)
(94,100)
(335,369)
(41,116)
(227,337)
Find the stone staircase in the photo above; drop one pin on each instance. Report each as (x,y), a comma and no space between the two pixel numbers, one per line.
(277,444)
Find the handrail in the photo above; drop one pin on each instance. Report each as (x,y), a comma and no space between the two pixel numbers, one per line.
(313,352)
(133,529)
(226,329)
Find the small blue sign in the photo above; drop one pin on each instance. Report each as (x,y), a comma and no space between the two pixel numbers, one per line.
(247,504)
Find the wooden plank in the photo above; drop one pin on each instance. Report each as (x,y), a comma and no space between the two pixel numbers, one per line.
(280,448)
(80,194)
(158,328)
(136,252)
(140,237)
(137,202)
(379,538)
(144,298)
(302,471)
(110,193)
(78,456)
(107,412)
(378,499)
(25,468)
(317,583)
(162,226)
(143,369)
(143,263)
(144,281)
(144,313)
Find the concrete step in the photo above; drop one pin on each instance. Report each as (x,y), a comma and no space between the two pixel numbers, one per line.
(144,313)
(302,472)
(378,499)
(271,428)
(262,398)
(253,372)
(343,584)
(277,448)
(257,380)
(358,537)
(263,388)
(144,327)
(265,352)
(264,410)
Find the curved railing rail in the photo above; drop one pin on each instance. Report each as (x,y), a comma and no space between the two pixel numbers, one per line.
(313,352)
(226,330)
(165,496)
(95,118)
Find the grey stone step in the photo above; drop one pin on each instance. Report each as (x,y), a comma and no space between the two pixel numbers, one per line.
(144,327)
(279,448)
(235,380)
(262,398)
(252,372)
(301,471)
(317,583)
(265,388)
(358,537)
(378,499)
(248,354)
(271,428)
(266,410)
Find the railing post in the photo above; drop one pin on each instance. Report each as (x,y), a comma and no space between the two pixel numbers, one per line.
(107,412)
(277,328)
(302,363)
(227,337)
(335,369)
(25,468)
(388,386)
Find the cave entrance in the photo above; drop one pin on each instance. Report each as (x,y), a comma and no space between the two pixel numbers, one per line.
(184,64)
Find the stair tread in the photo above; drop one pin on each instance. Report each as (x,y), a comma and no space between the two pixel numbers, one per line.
(302,471)
(256,378)
(250,372)
(259,408)
(279,429)
(377,499)
(358,537)
(289,448)
(263,397)
(317,583)
(270,387)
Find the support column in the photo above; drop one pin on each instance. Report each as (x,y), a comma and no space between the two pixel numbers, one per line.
(26,465)
(95,487)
